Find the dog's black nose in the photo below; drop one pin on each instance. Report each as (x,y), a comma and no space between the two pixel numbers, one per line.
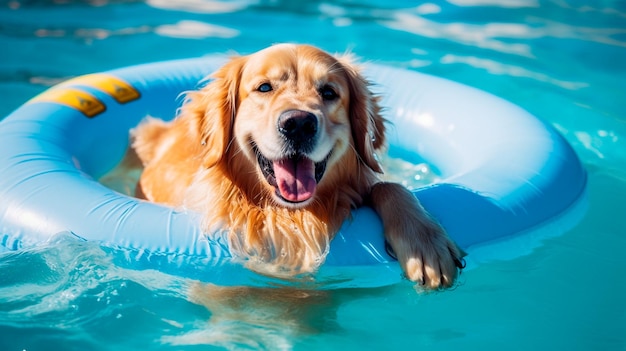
(298,127)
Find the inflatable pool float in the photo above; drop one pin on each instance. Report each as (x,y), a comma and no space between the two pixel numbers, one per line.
(503,172)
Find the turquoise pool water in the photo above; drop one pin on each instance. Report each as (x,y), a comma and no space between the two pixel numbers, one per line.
(562,60)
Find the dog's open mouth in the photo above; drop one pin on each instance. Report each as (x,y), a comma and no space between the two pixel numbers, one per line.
(295,177)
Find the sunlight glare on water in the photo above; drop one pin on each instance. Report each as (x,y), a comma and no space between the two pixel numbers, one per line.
(411,175)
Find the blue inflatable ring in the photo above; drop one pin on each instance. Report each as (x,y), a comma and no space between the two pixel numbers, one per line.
(503,171)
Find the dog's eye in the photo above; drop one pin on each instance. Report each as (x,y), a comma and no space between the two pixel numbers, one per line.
(264,88)
(328,93)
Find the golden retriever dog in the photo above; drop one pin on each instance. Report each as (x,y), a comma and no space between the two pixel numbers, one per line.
(277,150)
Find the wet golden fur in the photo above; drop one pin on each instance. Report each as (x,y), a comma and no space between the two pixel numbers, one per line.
(205,160)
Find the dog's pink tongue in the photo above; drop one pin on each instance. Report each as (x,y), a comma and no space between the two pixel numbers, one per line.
(295,178)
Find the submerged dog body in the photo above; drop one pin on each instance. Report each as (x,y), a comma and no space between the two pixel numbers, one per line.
(277,150)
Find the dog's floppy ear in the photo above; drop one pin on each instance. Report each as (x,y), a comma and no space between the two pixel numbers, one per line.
(368,126)
(211,111)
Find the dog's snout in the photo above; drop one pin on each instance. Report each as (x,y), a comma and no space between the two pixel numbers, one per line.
(297,126)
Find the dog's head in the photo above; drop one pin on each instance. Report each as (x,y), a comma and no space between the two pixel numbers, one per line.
(296,113)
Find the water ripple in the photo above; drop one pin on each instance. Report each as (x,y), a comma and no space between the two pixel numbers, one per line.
(499,68)
(202,6)
(195,29)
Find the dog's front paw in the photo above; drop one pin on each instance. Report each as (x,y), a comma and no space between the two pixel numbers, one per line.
(425,252)
(428,257)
